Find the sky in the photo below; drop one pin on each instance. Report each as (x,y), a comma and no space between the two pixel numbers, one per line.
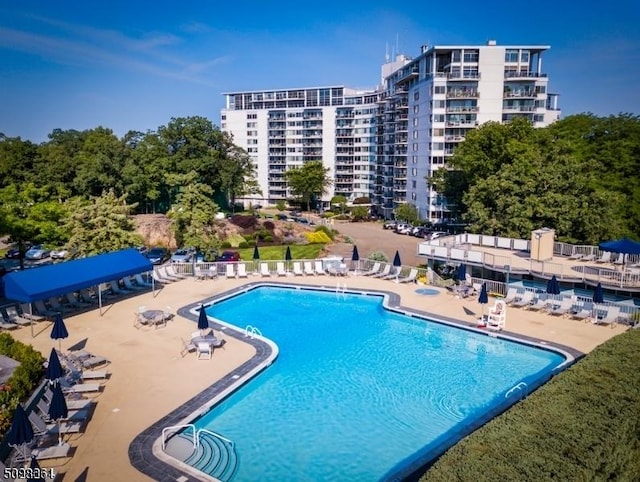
(135,65)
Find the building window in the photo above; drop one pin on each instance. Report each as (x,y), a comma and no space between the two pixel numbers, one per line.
(415,121)
(252,116)
(416,109)
(455,56)
(471,56)
(251,124)
(415,147)
(414,172)
(416,95)
(439,89)
(524,57)
(415,134)
(511,56)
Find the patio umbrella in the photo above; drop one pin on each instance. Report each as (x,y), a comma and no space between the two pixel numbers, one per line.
(21,432)
(598,295)
(461,273)
(203,321)
(256,257)
(59,330)
(397,263)
(58,408)
(355,257)
(35,469)
(483,298)
(54,368)
(553,287)
(287,255)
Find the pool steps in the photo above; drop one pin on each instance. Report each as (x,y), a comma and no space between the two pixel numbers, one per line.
(522,386)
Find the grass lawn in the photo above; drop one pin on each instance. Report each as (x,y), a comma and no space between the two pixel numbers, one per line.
(307,251)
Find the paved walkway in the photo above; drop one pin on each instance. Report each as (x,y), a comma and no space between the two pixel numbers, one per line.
(149,378)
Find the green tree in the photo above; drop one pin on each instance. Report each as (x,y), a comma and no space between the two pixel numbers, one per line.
(17,161)
(309,181)
(99,163)
(340,201)
(406,212)
(101,224)
(237,172)
(359,213)
(193,213)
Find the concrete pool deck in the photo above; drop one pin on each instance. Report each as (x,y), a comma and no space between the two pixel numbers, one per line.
(149,378)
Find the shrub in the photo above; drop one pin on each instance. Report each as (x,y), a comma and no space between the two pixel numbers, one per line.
(378,256)
(267,239)
(269,225)
(244,222)
(225,244)
(326,230)
(317,237)
(281,205)
(243,245)
(362,200)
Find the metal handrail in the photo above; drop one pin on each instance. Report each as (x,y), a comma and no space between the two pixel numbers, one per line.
(216,435)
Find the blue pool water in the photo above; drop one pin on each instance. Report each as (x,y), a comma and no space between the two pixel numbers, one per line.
(357,389)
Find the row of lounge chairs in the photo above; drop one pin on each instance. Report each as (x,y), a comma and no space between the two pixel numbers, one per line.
(567,306)
(605,257)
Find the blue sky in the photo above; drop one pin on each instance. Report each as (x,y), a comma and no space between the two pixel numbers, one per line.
(134,65)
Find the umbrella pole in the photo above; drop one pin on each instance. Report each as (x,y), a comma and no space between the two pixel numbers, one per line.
(59,432)
(31,318)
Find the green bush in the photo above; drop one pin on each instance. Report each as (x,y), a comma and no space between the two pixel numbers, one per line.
(225,244)
(267,239)
(24,379)
(243,245)
(582,425)
(378,256)
(326,230)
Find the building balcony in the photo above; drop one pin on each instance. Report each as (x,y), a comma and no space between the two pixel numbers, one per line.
(462,94)
(457,109)
(463,75)
(523,75)
(454,138)
(518,108)
(520,94)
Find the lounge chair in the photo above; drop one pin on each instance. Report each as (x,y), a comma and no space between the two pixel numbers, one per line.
(413,275)
(264,270)
(576,256)
(86,360)
(72,403)
(527,298)
(40,427)
(563,308)
(584,313)
(141,281)
(619,260)
(45,452)
(374,269)
(588,257)
(55,304)
(68,388)
(72,415)
(76,373)
(308,269)
(297,268)
(8,326)
(74,302)
(280,270)
(512,295)
(605,258)
(25,311)
(610,318)
(539,302)
(171,271)
(204,351)
(10,315)
(87,296)
(242,270)
(393,273)
(385,272)
(187,347)
(230,271)
(43,310)
(319,268)
(115,288)
(130,286)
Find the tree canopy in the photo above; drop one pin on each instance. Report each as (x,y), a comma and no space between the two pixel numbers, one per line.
(309,181)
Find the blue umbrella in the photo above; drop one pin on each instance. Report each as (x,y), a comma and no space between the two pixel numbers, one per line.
(256,253)
(21,432)
(598,295)
(396,260)
(203,321)
(354,254)
(483,299)
(54,368)
(287,255)
(35,469)
(461,273)
(553,287)
(58,408)
(59,330)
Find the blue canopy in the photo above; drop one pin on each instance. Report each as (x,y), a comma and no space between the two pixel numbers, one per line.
(44,282)
(624,245)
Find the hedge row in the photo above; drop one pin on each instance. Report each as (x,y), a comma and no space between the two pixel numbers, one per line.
(584,424)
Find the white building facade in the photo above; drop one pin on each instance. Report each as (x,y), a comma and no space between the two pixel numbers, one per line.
(385,144)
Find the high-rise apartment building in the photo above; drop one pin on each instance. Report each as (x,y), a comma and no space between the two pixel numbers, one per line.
(385,144)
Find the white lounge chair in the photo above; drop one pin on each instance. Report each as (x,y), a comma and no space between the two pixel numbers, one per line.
(297,268)
(74,302)
(230,271)
(242,270)
(187,347)
(204,351)
(162,272)
(318,268)
(308,268)
(25,312)
(525,300)
(374,269)
(171,271)
(539,302)
(563,308)
(611,318)
(605,258)
(264,270)
(87,297)
(130,286)
(385,272)
(585,313)
(394,272)
(413,275)
(588,257)
(141,281)
(43,310)
(280,270)
(576,256)
(8,325)
(55,304)
(115,288)
(512,295)
(10,315)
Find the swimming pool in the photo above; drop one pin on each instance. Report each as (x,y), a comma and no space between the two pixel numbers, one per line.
(359,392)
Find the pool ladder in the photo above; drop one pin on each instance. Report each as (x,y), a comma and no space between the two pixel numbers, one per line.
(341,290)
(250,331)
(521,387)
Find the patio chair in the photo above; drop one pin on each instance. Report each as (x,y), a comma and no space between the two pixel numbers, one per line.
(512,295)
(115,288)
(605,258)
(163,274)
(374,269)
(242,270)
(230,271)
(204,351)
(563,308)
(297,268)
(24,310)
(72,403)
(41,427)
(280,270)
(308,268)
(55,304)
(187,347)
(130,286)
(171,271)
(610,318)
(588,257)
(140,281)
(10,315)
(68,387)
(87,296)
(264,270)
(584,313)
(43,310)
(385,272)
(42,408)
(76,373)
(75,302)
(87,360)
(318,268)
(54,450)
(576,256)
(8,326)
(539,302)
(393,273)
(527,298)
(619,260)
(413,275)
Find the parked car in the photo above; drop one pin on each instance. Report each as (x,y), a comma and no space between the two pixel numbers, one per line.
(59,253)
(281,217)
(420,232)
(228,256)
(37,252)
(14,253)
(438,234)
(181,256)
(403,228)
(389,225)
(157,255)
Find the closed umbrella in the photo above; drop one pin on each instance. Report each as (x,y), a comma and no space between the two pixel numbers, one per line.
(59,330)
(203,321)
(58,408)
(483,298)
(35,469)
(598,297)
(21,432)
(54,369)
(355,257)
(553,287)
(256,258)
(461,273)
(397,264)
(287,256)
